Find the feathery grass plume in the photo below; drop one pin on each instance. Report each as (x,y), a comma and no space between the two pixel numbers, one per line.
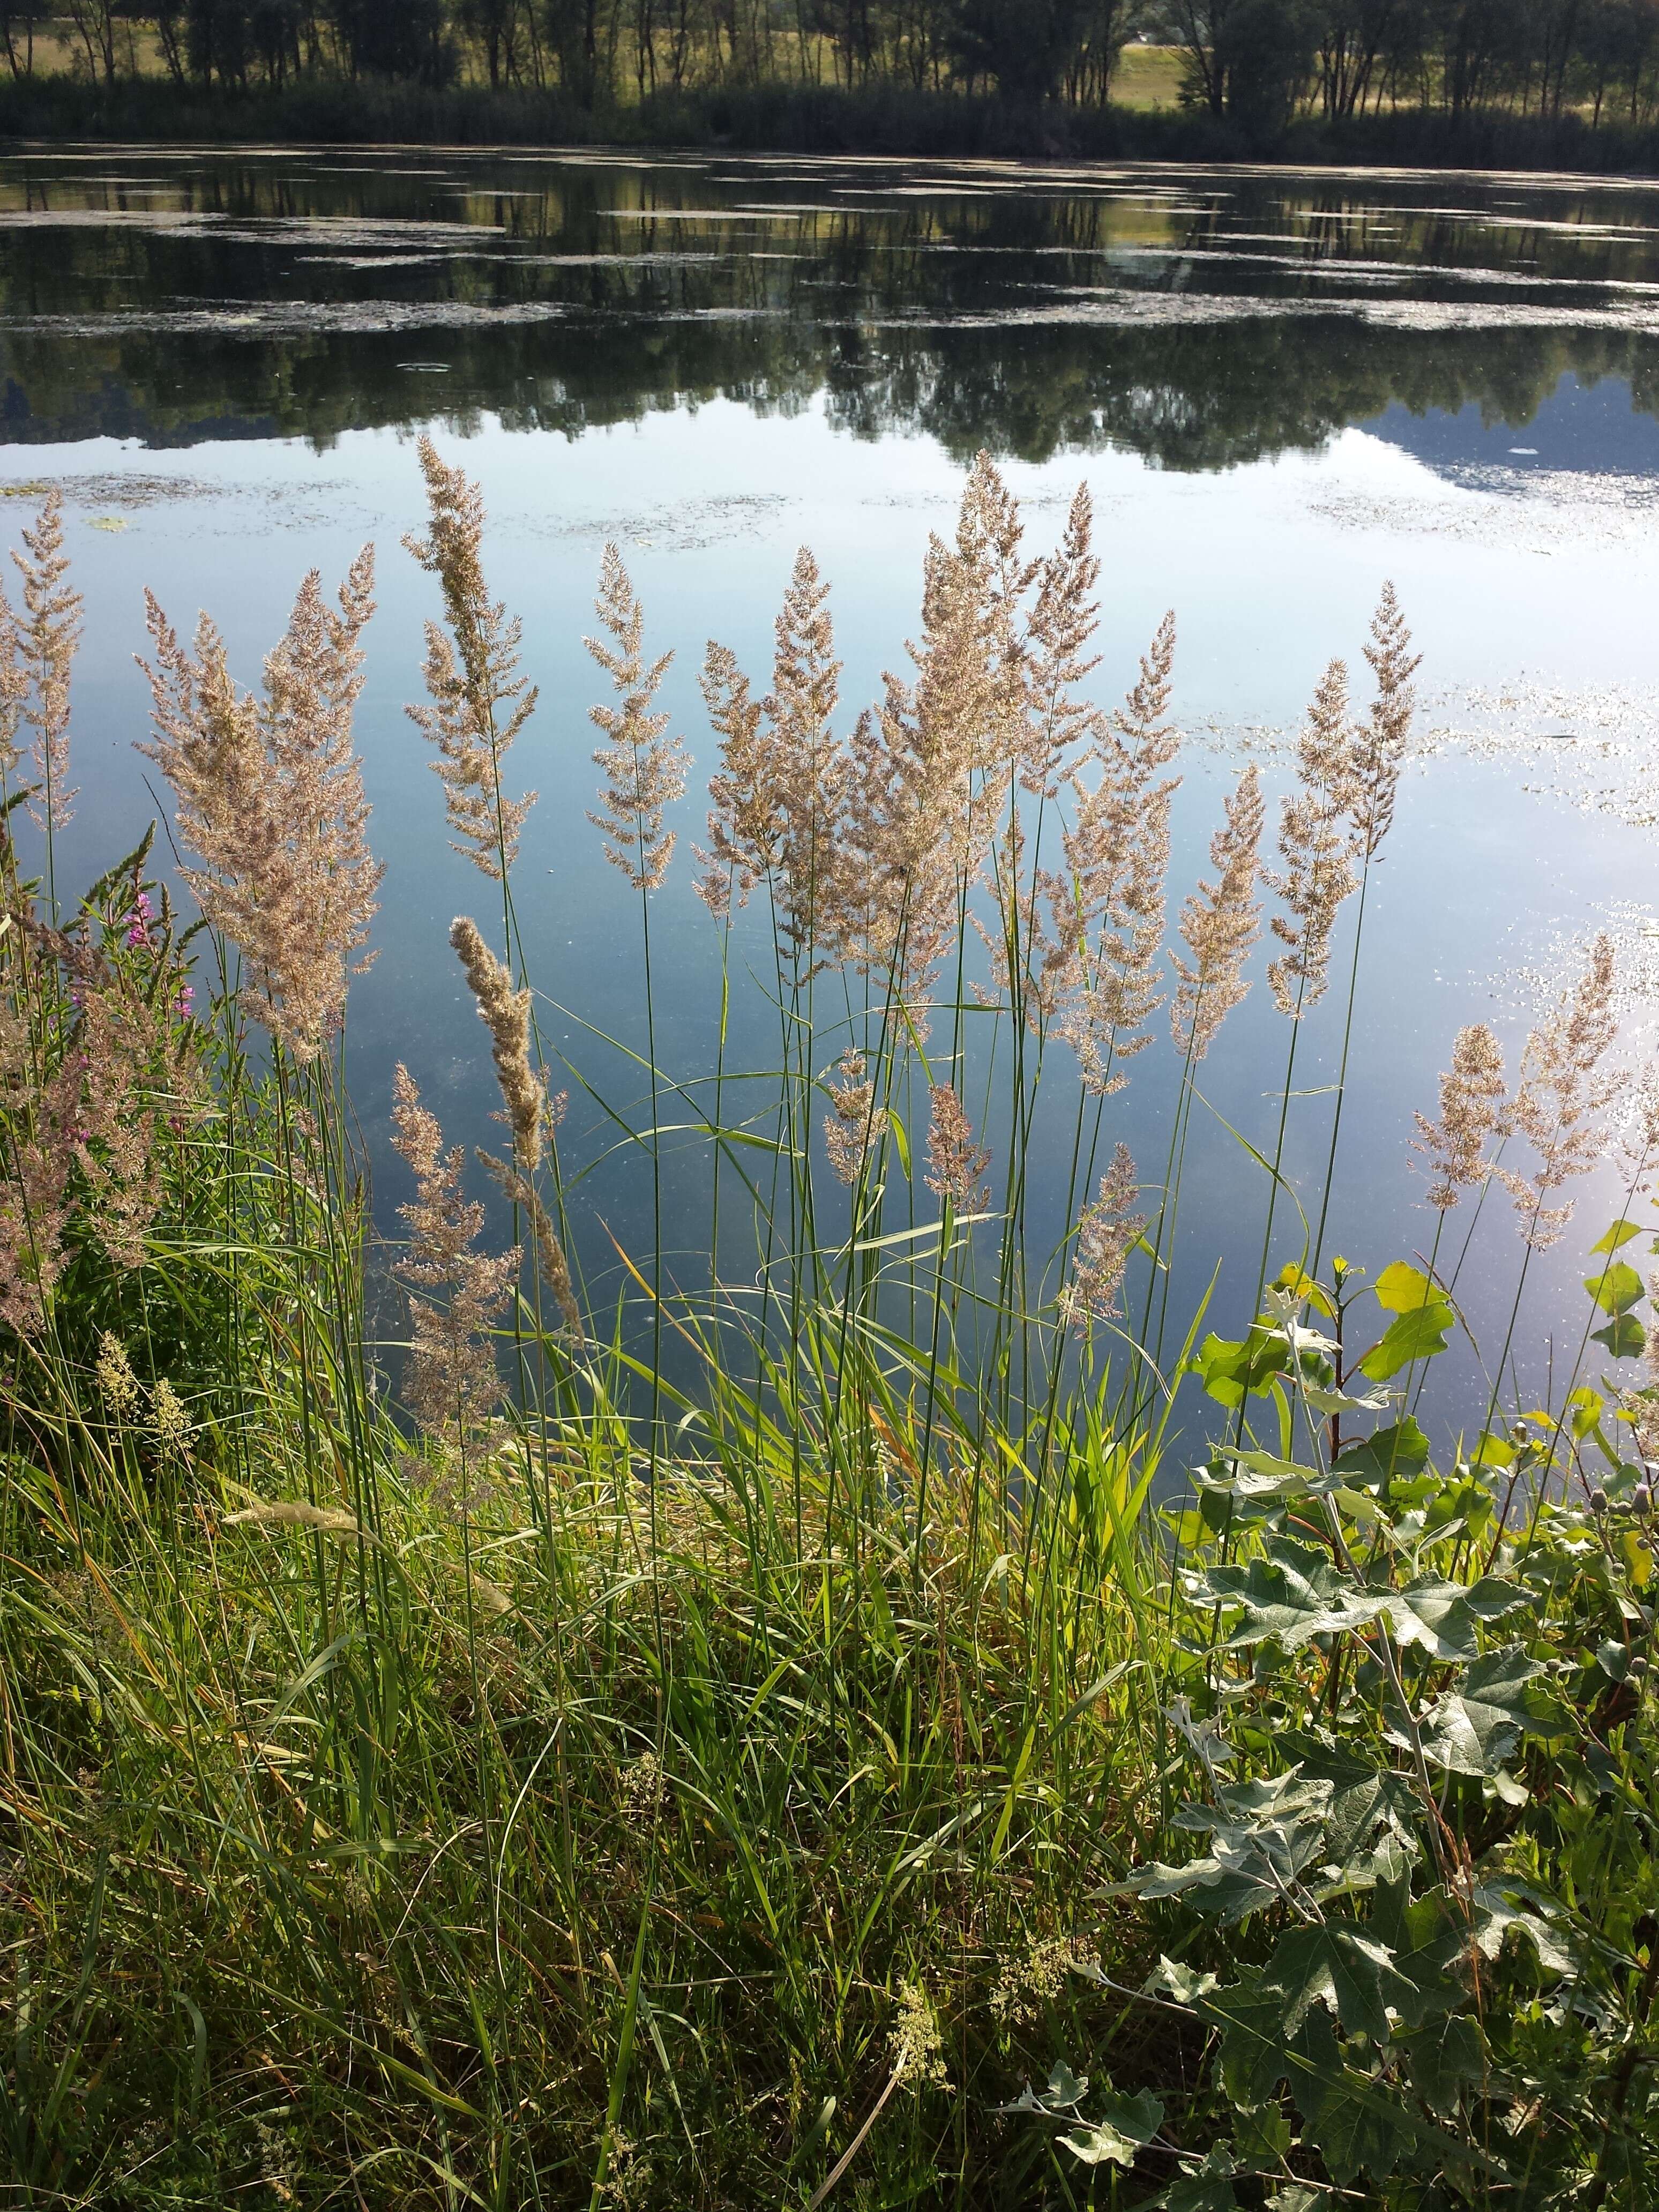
(549,1252)
(1314,841)
(925,780)
(1108,902)
(505,1013)
(779,794)
(1562,1094)
(138,1060)
(48,638)
(1065,615)
(470,674)
(811,767)
(14,690)
(971,671)
(269,800)
(1380,741)
(955,1162)
(1220,923)
(745,822)
(43,1119)
(119,1048)
(1107,1232)
(850,1133)
(645,771)
(1474,1109)
(452,1387)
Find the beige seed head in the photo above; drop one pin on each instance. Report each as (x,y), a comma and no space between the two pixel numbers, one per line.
(1473,1111)
(505,1013)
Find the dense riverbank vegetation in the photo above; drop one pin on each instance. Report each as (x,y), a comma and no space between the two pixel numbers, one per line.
(1516,83)
(891,1712)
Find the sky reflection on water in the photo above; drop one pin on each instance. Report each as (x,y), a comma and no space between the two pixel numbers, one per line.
(1280,389)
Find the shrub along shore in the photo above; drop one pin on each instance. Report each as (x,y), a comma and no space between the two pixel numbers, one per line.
(958,1733)
(796,118)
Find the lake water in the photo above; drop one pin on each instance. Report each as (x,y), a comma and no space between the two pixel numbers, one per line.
(1282,388)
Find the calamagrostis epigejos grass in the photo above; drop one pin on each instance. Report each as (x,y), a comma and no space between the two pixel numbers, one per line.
(452,1387)
(549,1252)
(955,1162)
(505,1013)
(1108,902)
(269,800)
(1220,923)
(1380,741)
(851,1132)
(746,822)
(14,690)
(47,640)
(1314,840)
(121,1038)
(926,779)
(469,692)
(782,772)
(644,770)
(1064,618)
(1563,1092)
(1474,1110)
(43,1127)
(1107,1232)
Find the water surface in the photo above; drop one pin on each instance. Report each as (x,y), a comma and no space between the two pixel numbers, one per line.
(1281,387)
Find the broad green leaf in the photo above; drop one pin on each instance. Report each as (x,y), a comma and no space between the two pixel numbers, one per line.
(1184,1984)
(1344,1402)
(1064,2093)
(1475,1727)
(1126,2127)
(1365,1798)
(1418,1334)
(1365,2122)
(1293,1594)
(1444,2057)
(1209,2190)
(1296,2197)
(1429,1938)
(1401,1289)
(1443,1617)
(1269,1833)
(1624,1337)
(1502,1906)
(1355,2124)
(1232,1368)
(1303,1289)
(1341,1968)
(1259,1474)
(1255,2058)
(1616,1289)
(1586,1406)
(1391,1454)
(1614,1238)
(1264,2136)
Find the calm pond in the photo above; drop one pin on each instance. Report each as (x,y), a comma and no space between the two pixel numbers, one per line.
(1281,388)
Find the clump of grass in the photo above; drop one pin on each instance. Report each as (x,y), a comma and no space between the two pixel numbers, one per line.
(430,1778)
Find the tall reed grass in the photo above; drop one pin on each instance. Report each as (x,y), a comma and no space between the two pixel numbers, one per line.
(516,1767)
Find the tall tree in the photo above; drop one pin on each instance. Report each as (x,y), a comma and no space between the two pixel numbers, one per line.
(396,39)
(1024,45)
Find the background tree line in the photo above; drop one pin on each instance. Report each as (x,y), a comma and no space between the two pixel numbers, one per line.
(1257,62)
